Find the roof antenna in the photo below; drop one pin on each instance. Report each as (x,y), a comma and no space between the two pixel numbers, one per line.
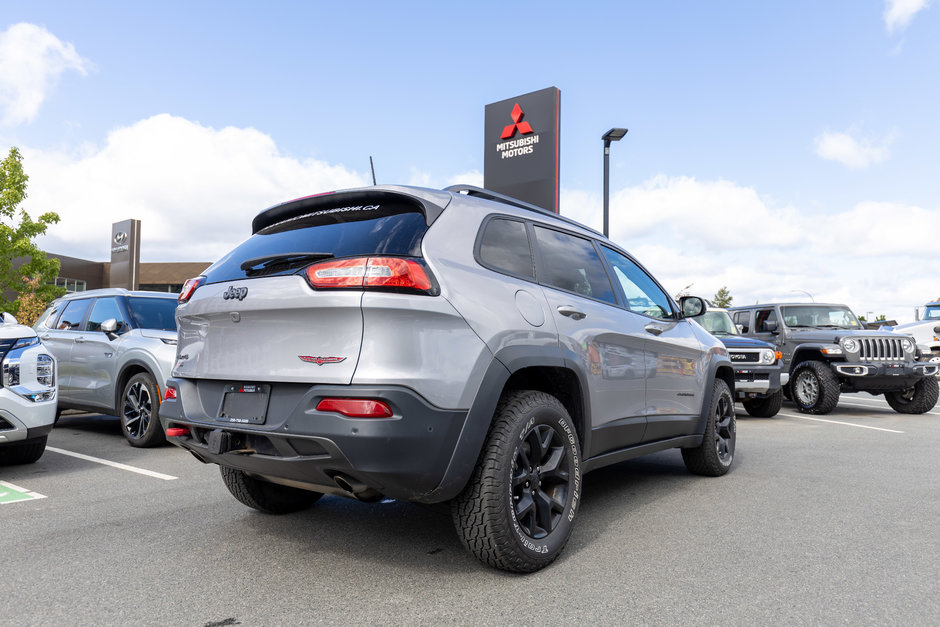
(371,165)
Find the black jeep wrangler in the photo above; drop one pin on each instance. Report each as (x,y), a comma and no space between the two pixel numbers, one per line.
(826,351)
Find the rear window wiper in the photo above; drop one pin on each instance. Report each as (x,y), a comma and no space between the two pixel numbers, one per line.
(264,263)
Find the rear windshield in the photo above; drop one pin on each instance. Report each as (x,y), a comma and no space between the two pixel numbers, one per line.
(385,229)
(153,313)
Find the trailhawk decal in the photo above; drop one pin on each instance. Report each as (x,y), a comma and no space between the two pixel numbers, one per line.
(321,360)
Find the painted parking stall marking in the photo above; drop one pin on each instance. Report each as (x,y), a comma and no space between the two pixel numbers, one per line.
(10,493)
(105,462)
(839,422)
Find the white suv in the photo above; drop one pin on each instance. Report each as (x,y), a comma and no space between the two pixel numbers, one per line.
(27,393)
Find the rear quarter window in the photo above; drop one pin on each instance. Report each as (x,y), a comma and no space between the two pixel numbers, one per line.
(504,247)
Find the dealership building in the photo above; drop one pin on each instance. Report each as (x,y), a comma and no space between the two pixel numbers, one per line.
(125,269)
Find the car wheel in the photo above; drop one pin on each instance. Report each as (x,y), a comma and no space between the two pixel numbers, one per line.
(25,452)
(714,455)
(917,399)
(764,407)
(814,388)
(518,509)
(139,405)
(264,496)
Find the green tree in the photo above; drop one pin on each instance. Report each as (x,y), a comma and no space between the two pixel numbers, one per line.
(16,241)
(722,298)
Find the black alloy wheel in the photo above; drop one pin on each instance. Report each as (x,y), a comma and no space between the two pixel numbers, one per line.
(540,478)
(724,429)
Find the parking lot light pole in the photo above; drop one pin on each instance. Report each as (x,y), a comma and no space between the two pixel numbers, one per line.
(613,135)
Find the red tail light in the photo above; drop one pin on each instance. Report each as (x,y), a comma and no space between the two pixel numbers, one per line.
(175,432)
(189,287)
(356,407)
(374,272)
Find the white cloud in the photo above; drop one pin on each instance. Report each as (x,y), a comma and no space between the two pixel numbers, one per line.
(717,233)
(31,60)
(851,152)
(899,13)
(194,188)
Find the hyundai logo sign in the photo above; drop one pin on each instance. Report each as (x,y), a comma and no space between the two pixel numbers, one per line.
(120,242)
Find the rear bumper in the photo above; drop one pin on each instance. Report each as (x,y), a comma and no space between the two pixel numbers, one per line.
(404,457)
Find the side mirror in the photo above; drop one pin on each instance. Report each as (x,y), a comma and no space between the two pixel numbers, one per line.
(740,328)
(691,306)
(109,326)
(770,325)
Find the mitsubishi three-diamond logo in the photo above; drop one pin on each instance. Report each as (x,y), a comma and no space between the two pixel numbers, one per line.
(524,128)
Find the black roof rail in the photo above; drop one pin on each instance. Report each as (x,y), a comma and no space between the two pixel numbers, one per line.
(486,194)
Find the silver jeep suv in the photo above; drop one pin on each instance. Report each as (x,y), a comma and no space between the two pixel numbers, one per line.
(438,346)
(115,349)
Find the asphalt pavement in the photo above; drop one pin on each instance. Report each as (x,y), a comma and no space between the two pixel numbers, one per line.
(822,520)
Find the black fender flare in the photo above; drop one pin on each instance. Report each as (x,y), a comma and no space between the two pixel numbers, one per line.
(718,366)
(505,363)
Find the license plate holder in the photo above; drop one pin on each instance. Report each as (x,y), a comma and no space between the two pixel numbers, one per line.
(245,403)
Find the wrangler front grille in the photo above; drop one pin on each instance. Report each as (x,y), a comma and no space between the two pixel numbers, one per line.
(881,349)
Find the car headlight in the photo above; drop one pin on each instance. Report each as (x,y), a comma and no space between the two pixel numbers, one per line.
(45,370)
(25,342)
(850,345)
(907,345)
(767,356)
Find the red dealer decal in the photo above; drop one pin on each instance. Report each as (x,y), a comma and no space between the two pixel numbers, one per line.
(524,128)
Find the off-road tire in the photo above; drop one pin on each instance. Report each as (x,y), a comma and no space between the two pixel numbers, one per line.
(814,387)
(764,407)
(138,408)
(25,452)
(264,496)
(917,399)
(517,511)
(714,455)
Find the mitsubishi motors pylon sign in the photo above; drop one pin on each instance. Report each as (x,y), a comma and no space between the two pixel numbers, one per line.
(522,147)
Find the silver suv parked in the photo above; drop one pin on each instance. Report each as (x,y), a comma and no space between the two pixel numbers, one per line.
(115,349)
(437,346)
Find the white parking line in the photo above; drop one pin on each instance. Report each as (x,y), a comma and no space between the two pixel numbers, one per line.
(98,460)
(838,422)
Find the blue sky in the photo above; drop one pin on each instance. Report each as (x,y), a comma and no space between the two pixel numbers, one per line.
(773,147)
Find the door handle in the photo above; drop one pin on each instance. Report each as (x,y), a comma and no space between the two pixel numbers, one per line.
(654,328)
(571,312)
(44,336)
(79,340)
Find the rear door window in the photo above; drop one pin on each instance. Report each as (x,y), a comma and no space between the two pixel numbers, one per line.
(153,313)
(572,264)
(73,315)
(346,231)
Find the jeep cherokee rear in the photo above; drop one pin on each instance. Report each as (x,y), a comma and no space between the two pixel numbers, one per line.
(438,346)
(826,351)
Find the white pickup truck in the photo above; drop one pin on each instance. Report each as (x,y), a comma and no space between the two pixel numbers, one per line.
(926,331)
(27,393)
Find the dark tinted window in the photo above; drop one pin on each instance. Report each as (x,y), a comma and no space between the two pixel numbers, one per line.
(763,317)
(505,247)
(73,314)
(572,265)
(153,313)
(338,232)
(642,294)
(742,318)
(104,309)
